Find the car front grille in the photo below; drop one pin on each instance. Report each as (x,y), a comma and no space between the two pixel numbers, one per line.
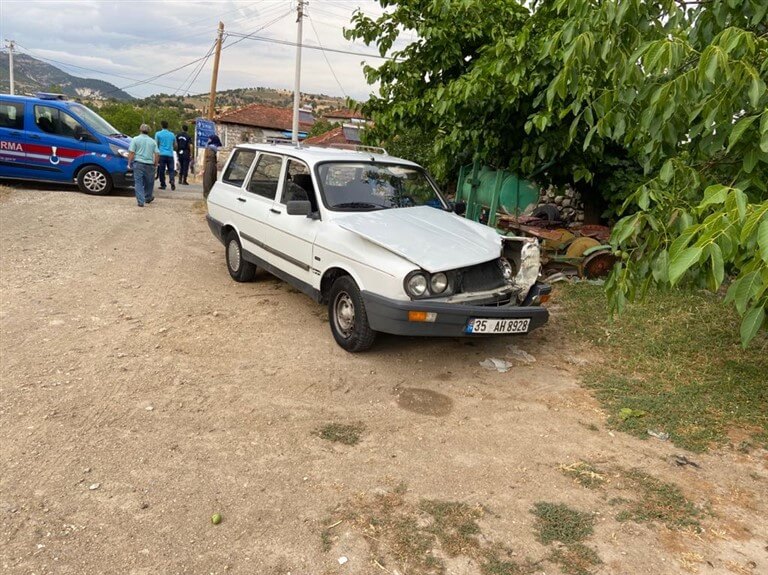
(481,277)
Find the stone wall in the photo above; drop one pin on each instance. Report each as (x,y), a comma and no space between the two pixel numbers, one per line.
(567,200)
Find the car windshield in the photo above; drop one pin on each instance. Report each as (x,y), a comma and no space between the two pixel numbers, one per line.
(94,120)
(365,186)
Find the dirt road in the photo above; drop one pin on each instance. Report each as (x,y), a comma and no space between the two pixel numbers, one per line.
(142,391)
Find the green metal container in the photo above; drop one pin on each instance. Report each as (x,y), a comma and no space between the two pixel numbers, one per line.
(484,187)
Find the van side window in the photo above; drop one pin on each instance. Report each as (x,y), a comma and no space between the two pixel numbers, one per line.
(298,184)
(265,176)
(54,121)
(238,167)
(11,116)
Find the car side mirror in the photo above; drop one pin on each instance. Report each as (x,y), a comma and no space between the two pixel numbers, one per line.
(298,208)
(460,208)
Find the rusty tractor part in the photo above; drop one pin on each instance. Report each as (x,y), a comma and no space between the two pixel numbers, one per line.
(578,246)
(597,264)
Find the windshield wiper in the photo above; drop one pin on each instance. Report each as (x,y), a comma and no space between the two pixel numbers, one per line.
(118,134)
(363,205)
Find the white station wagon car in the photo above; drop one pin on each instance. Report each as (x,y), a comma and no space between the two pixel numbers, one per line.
(372,236)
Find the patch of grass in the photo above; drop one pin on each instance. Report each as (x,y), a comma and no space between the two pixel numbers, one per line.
(658,501)
(341,433)
(585,474)
(455,526)
(415,538)
(576,559)
(558,522)
(677,358)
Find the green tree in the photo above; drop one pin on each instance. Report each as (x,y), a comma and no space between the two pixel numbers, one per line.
(320,127)
(661,107)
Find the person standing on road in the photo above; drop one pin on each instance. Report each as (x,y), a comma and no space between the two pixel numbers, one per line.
(184,150)
(143,158)
(166,141)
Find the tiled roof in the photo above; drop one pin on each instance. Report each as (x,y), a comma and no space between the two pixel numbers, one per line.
(339,135)
(260,116)
(334,136)
(346,114)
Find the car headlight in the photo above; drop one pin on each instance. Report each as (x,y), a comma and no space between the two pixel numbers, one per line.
(416,285)
(438,283)
(506,269)
(118,151)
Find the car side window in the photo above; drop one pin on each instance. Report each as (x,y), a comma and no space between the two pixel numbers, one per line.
(12,116)
(238,167)
(265,176)
(298,184)
(53,121)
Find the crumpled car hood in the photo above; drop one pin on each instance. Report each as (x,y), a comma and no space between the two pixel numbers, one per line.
(433,239)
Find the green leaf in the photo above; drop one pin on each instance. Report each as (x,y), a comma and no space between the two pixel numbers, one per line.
(753,221)
(667,170)
(681,262)
(746,290)
(756,88)
(762,239)
(739,129)
(718,268)
(716,194)
(660,267)
(751,323)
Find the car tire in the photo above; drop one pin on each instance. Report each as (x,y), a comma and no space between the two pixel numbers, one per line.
(347,316)
(94,180)
(239,269)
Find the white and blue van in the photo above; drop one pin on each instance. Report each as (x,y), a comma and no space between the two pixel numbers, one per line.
(48,138)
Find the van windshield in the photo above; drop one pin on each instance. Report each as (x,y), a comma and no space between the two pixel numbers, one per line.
(94,121)
(365,186)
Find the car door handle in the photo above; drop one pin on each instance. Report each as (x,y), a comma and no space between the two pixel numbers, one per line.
(15,133)
(241,200)
(274,211)
(34,137)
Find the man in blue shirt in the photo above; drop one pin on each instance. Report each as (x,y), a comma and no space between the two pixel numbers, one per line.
(166,141)
(143,157)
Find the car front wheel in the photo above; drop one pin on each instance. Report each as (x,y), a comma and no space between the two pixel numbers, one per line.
(239,269)
(347,316)
(94,180)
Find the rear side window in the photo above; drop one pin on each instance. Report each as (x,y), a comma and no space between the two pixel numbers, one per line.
(11,116)
(53,121)
(238,167)
(265,176)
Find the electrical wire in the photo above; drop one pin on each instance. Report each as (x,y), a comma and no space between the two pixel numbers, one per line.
(65,64)
(196,71)
(327,61)
(309,46)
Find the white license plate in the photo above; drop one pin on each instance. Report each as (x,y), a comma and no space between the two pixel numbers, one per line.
(498,325)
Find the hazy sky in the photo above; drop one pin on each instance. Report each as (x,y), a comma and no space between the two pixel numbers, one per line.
(125,41)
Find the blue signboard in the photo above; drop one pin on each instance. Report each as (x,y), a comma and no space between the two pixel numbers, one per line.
(204,129)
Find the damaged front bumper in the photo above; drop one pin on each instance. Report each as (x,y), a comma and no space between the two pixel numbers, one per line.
(444,319)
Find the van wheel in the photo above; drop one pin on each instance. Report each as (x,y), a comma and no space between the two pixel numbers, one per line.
(239,269)
(347,316)
(94,180)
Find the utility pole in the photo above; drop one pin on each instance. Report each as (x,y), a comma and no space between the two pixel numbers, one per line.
(11,45)
(215,76)
(297,78)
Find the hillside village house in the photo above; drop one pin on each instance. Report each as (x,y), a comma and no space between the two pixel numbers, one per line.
(346,134)
(344,116)
(256,122)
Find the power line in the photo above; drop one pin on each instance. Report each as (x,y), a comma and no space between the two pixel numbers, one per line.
(39,57)
(288,43)
(196,74)
(327,61)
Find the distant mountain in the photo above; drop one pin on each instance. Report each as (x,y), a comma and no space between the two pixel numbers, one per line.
(32,75)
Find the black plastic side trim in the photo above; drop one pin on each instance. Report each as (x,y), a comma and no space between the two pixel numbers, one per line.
(270,249)
(216,227)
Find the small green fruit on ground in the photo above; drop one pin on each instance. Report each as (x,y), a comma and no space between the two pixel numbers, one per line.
(216,518)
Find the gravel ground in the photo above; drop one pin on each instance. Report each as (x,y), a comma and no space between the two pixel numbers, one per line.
(142,391)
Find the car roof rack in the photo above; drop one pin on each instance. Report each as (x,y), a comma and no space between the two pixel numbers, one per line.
(360,148)
(50,96)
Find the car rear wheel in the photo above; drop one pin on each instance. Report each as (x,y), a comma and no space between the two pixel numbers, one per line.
(239,269)
(347,316)
(94,180)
